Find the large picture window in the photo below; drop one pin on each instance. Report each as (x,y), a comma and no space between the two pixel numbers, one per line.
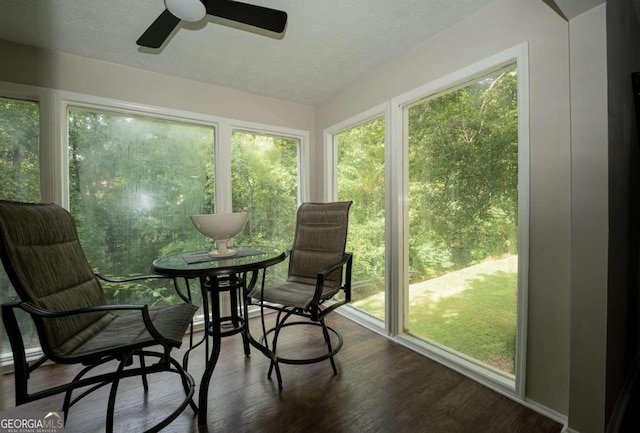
(463,219)
(439,225)
(136,174)
(134,182)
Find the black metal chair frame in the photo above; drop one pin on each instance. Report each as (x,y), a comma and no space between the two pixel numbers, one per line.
(123,354)
(124,357)
(314,315)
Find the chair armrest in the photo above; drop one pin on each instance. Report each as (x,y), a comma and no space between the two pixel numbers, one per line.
(48,314)
(145,277)
(144,310)
(127,279)
(347,259)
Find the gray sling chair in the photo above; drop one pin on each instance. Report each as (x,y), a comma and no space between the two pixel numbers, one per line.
(57,287)
(318,267)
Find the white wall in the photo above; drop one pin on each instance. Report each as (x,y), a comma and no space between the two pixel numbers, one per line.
(27,65)
(499,26)
(590,221)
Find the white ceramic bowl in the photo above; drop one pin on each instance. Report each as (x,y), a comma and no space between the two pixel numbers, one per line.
(220,227)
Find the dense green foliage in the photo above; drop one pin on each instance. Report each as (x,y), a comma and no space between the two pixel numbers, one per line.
(463,176)
(264,179)
(19,160)
(133,184)
(361,178)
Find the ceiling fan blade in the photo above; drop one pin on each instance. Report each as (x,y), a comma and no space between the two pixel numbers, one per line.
(253,15)
(159,30)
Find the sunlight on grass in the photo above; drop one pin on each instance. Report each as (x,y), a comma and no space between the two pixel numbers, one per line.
(471,311)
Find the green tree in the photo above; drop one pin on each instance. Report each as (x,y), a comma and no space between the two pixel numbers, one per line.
(134,183)
(264,172)
(361,178)
(463,169)
(19,160)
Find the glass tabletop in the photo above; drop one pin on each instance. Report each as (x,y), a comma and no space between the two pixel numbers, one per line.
(199,264)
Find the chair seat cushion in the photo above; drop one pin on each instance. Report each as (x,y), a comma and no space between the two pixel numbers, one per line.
(129,330)
(292,294)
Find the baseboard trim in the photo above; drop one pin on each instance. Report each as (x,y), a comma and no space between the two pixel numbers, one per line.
(549,413)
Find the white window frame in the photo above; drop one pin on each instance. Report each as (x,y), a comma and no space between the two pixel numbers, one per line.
(396,208)
(519,56)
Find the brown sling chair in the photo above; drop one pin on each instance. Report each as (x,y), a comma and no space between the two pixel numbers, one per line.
(57,287)
(319,269)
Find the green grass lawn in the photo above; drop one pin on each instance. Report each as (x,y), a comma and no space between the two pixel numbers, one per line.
(471,311)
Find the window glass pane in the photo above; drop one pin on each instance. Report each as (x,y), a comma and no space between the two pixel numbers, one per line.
(20,175)
(264,178)
(361,179)
(134,182)
(19,140)
(463,219)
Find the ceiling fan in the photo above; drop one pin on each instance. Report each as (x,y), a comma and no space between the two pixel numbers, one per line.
(195,10)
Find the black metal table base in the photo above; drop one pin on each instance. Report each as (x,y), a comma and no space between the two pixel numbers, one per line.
(216,327)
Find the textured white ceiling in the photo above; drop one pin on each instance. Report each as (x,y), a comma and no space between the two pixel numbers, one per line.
(328,44)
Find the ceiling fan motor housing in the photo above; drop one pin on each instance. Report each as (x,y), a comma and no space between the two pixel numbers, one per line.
(187,10)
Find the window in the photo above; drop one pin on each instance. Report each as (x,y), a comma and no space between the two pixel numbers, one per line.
(134,182)
(20,174)
(463,219)
(361,178)
(134,175)
(439,227)
(264,178)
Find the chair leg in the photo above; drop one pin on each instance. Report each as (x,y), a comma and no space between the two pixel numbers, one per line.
(66,406)
(145,383)
(185,384)
(237,320)
(280,321)
(327,339)
(111,406)
(274,358)
(274,363)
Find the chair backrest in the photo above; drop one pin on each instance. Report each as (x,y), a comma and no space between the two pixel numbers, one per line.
(45,263)
(320,241)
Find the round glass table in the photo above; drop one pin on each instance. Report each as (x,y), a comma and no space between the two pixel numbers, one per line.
(218,275)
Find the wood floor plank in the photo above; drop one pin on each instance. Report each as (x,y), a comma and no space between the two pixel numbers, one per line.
(381,387)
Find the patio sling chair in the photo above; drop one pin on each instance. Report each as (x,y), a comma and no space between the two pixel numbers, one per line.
(319,269)
(57,287)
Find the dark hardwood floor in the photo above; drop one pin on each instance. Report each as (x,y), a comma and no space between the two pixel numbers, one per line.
(381,387)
